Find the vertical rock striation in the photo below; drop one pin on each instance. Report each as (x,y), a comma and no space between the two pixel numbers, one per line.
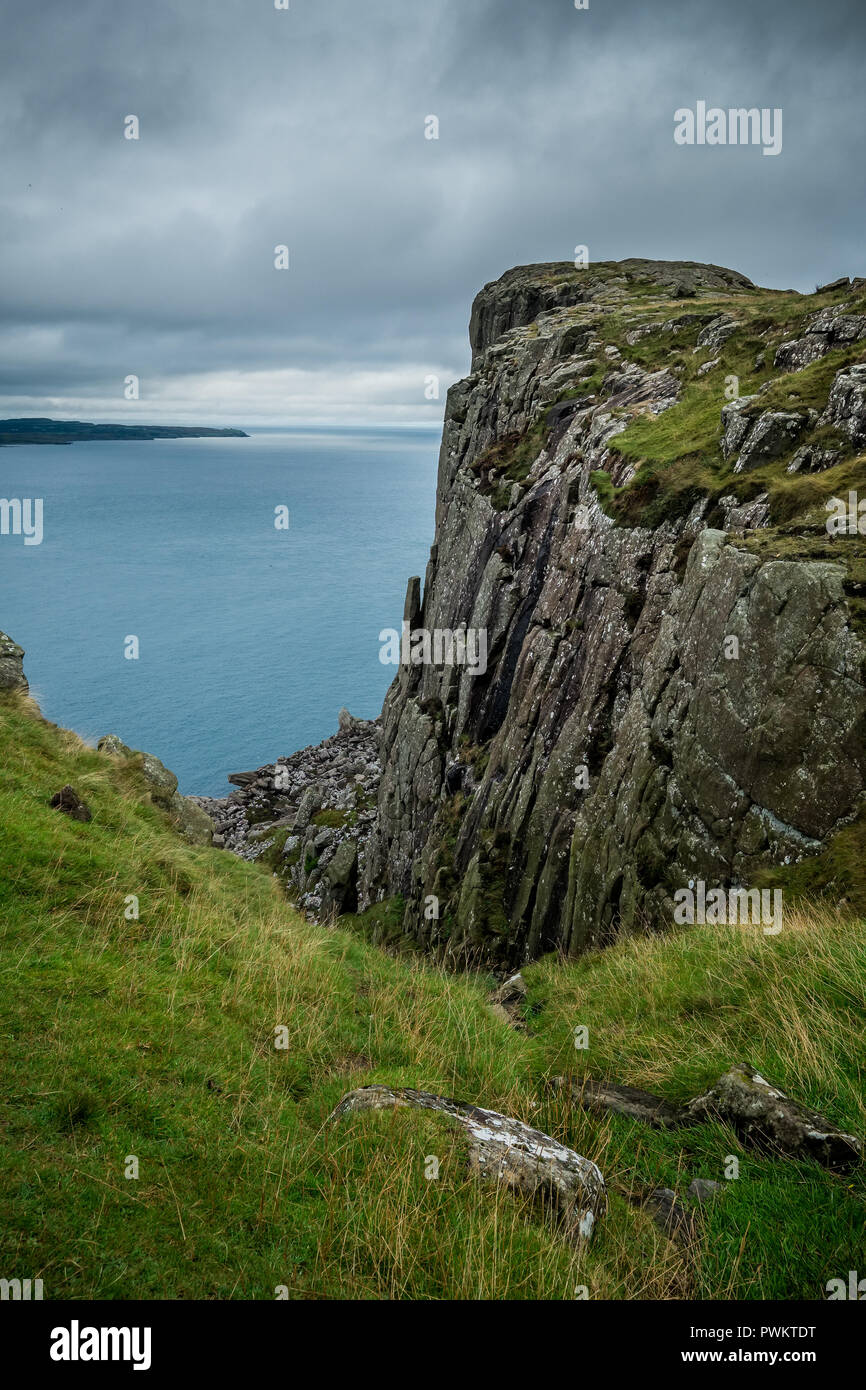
(612,750)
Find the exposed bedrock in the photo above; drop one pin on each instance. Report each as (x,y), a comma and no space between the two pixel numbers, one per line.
(614,749)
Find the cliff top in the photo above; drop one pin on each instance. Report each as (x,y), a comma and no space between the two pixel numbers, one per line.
(518,296)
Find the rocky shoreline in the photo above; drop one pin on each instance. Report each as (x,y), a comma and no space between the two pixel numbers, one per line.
(309,815)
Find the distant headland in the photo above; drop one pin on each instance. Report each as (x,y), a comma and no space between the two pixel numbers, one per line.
(41,431)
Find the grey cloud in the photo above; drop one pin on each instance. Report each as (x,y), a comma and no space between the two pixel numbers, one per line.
(261,127)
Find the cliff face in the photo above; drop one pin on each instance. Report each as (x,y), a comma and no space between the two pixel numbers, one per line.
(613,536)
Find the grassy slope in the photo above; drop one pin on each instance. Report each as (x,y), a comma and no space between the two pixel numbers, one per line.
(155,1038)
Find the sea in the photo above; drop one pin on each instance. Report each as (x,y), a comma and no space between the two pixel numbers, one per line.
(250,635)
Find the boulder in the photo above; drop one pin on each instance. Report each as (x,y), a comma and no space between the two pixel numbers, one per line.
(70,803)
(846,405)
(114,747)
(797,353)
(242,779)
(11,665)
(717,333)
(708,366)
(507,1001)
(765,1117)
(810,459)
(187,815)
(310,802)
(671,1215)
(773,434)
(827,329)
(629,1101)
(703,1190)
(762,1115)
(162,782)
(507,1151)
(745,516)
(678,1217)
(189,818)
(735,424)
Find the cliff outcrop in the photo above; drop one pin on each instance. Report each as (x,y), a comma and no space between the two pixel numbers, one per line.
(674,684)
(632,508)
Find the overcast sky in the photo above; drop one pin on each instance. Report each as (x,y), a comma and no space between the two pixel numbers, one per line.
(306,127)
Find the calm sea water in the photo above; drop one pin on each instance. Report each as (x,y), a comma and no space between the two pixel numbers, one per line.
(250,638)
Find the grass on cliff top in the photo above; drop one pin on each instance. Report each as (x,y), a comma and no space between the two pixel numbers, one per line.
(677,453)
(154,1038)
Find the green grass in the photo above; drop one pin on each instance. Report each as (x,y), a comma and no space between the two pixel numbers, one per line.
(677,453)
(155,1038)
(670,1015)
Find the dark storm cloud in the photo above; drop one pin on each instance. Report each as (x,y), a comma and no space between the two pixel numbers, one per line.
(306,127)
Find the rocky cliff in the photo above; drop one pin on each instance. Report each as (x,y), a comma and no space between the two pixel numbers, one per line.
(634,489)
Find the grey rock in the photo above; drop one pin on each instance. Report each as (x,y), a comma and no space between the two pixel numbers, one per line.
(522,294)
(606,652)
(507,1001)
(12,665)
(745,516)
(846,406)
(70,803)
(341,774)
(628,1101)
(602,653)
(190,820)
(671,1215)
(310,803)
(771,435)
(507,1152)
(735,424)
(114,747)
(765,1117)
(762,1115)
(717,333)
(797,353)
(825,330)
(841,283)
(162,782)
(340,879)
(703,1190)
(810,459)
(188,815)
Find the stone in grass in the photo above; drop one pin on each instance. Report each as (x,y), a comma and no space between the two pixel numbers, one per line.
(677,1218)
(760,1113)
(504,1150)
(704,1189)
(765,1117)
(192,822)
(507,1001)
(69,802)
(671,1215)
(12,675)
